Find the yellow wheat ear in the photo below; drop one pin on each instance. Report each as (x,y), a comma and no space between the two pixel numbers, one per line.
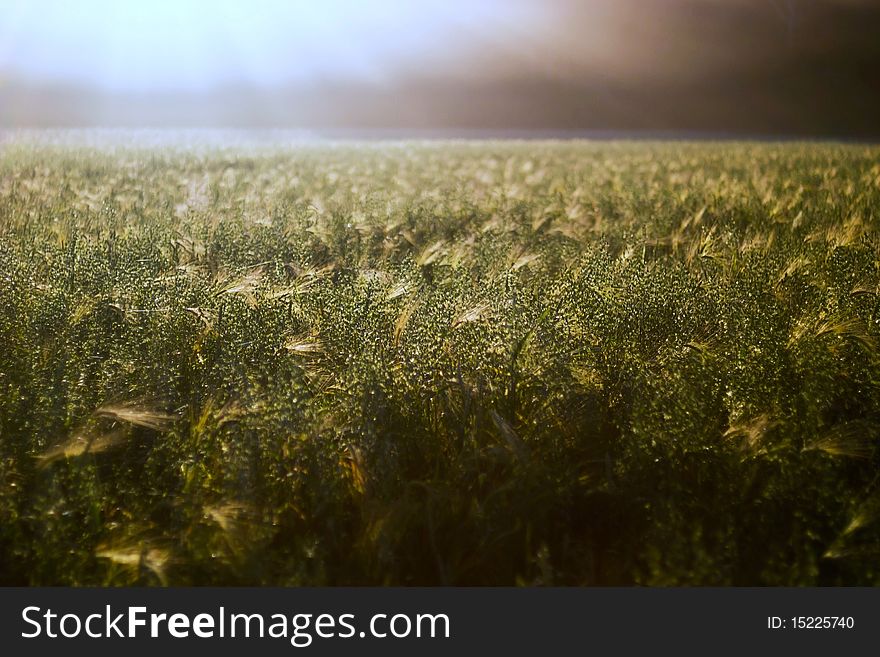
(138,415)
(752,432)
(304,346)
(853,439)
(85,441)
(473,314)
(135,556)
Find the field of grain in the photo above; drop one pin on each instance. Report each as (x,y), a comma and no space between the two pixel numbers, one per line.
(507,363)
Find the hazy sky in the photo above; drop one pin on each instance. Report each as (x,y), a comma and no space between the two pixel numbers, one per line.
(193,45)
(795,67)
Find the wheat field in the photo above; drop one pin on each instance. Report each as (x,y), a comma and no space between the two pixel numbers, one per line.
(442,363)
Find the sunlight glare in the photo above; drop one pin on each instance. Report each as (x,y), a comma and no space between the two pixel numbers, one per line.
(167,45)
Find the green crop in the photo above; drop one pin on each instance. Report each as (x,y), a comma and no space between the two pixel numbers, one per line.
(533,363)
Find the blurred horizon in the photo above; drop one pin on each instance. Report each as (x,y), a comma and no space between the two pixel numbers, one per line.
(715,67)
